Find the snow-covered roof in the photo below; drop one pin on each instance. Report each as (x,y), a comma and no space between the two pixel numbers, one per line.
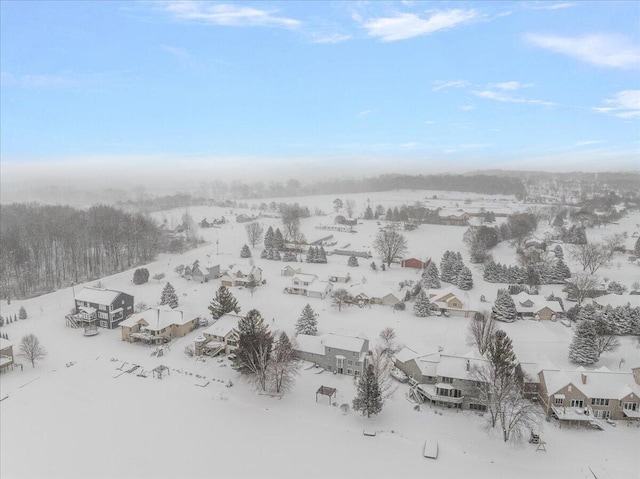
(223,326)
(304,277)
(618,300)
(5,343)
(406,354)
(599,383)
(347,343)
(459,367)
(319,286)
(374,291)
(245,269)
(438,294)
(309,344)
(160,318)
(539,303)
(97,295)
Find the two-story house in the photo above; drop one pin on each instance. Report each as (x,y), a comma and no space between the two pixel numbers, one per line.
(334,352)
(578,396)
(309,285)
(204,272)
(221,336)
(6,354)
(108,307)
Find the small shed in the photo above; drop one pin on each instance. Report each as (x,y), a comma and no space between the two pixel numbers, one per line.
(414,263)
(326,391)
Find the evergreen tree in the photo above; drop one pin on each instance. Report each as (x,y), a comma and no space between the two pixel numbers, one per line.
(501,355)
(422,307)
(558,252)
(282,365)
(311,255)
(584,346)
(322,255)
(616,288)
(368,400)
(446,267)
(264,254)
(636,248)
(169,297)
(504,308)
(587,313)
(395,216)
(560,272)
(431,277)
(22,314)
(465,279)
(245,252)
(278,240)
(288,256)
(353,261)
(254,347)
(389,215)
(368,213)
(224,302)
(268,239)
(307,322)
(270,253)
(276,255)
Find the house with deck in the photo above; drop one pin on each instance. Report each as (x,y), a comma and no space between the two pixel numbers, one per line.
(158,325)
(309,285)
(442,379)
(583,396)
(334,352)
(6,355)
(537,307)
(220,337)
(241,275)
(105,308)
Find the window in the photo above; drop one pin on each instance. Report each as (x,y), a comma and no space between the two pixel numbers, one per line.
(447,380)
(102,315)
(576,403)
(477,407)
(558,401)
(454,304)
(354,354)
(602,413)
(356,373)
(349,371)
(630,406)
(599,402)
(349,362)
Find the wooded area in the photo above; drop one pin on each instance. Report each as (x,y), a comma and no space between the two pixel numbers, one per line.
(48,247)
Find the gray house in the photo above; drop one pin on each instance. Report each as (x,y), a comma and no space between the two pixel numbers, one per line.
(333,352)
(204,272)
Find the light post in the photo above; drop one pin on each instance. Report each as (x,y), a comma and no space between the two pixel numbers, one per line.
(217,247)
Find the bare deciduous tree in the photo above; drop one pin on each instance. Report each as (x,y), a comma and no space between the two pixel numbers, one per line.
(349,206)
(382,365)
(254,233)
(580,285)
(283,366)
(387,337)
(341,297)
(591,256)
(480,331)
(390,245)
(31,349)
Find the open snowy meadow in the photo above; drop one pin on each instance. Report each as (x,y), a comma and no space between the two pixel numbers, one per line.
(80,413)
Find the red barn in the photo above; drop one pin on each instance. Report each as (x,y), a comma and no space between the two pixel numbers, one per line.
(414,263)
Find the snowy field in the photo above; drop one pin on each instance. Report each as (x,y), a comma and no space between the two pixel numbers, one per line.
(79,414)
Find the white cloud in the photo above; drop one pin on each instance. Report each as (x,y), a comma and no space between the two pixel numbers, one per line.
(550,5)
(39,81)
(607,50)
(510,85)
(228,15)
(402,26)
(625,104)
(466,107)
(329,37)
(499,96)
(440,85)
(364,113)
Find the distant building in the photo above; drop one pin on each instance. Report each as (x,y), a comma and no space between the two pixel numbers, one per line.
(414,263)
(6,355)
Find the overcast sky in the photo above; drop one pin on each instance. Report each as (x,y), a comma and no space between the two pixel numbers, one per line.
(277,87)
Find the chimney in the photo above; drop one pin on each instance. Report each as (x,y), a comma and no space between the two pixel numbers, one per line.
(584,378)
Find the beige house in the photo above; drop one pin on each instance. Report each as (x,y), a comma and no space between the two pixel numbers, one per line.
(158,325)
(366,294)
(584,397)
(454,301)
(241,275)
(537,307)
(221,336)
(308,285)
(6,355)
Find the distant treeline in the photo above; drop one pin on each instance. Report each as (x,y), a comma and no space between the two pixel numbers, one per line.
(47,247)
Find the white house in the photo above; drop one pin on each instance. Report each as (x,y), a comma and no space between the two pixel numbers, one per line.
(241,275)
(220,336)
(309,285)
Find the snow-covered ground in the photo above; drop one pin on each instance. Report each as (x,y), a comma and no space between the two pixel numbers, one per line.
(78,413)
